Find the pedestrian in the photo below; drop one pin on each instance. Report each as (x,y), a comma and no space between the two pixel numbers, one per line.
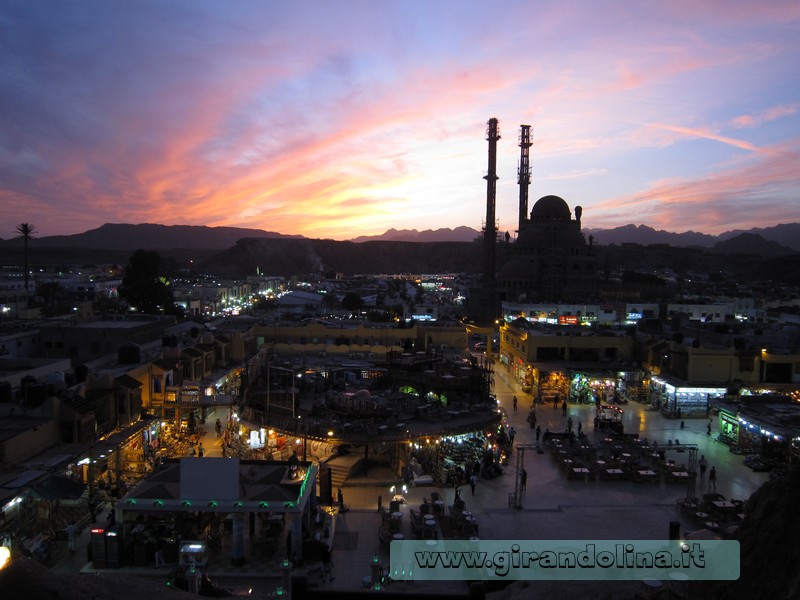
(712,479)
(72,535)
(596,423)
(512,433)
(523,480)
(569,424)
(327,563)
(515,403)
(708,428)
(218,428)
(473,481)
(580,429)
(159,555)
(703,465)
(564,408)
(538,433)
(93,509)
(200,450)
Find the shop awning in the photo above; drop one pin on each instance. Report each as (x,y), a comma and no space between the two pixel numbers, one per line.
(58,487)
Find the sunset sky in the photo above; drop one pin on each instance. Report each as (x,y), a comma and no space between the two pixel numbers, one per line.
(338,119)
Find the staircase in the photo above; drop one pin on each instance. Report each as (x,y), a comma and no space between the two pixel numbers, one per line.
(341,467)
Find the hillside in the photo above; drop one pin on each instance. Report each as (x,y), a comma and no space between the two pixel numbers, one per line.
(751,243)
(292,256)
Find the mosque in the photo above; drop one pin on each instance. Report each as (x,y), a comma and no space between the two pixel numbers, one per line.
(550,261)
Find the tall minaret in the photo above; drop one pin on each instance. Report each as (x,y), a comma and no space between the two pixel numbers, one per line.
(490,229)
(524,172)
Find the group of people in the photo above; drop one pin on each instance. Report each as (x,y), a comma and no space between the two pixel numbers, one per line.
(712,474)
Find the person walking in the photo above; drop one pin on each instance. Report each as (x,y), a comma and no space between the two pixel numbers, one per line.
(72,536)
(703,463)
(580,429)
(473,481)
(512,433)
(564,408)
(159,554)
(712,479)
(569,424)
(523,480)
(538,433)
(93,509)
(514,402)
(200,450)
(218,428)
(708,428)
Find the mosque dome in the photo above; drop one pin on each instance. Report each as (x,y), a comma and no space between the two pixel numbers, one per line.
(550,208)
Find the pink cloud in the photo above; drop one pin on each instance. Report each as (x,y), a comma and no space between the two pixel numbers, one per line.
(707,134)
(758,192)
(771,114)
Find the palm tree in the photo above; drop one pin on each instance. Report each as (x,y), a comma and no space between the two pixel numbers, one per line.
(25,231)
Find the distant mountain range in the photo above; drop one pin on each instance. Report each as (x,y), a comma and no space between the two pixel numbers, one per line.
(786,235)
(124,237)
(445,234)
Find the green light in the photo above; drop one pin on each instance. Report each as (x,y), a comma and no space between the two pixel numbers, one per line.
(288,505)
(131,501)
(186,503)
(212,504)
(158,503)
(264,504)
(238,504)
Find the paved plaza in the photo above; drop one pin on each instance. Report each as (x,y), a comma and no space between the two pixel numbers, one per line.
(554,507)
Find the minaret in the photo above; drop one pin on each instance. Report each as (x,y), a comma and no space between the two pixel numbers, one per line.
(524,172)
(490,229)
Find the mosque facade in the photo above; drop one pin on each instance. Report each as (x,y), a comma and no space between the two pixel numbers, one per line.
(550,260)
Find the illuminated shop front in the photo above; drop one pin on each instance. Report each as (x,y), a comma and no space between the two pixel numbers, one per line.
(770,441)
(762,425)
(728,427)
(680,400)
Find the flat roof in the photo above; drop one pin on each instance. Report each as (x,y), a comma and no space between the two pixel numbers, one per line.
(224,485)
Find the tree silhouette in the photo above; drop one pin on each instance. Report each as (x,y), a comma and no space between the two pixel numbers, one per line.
(143,286)
(352,302)
(25,231)
(55,298)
